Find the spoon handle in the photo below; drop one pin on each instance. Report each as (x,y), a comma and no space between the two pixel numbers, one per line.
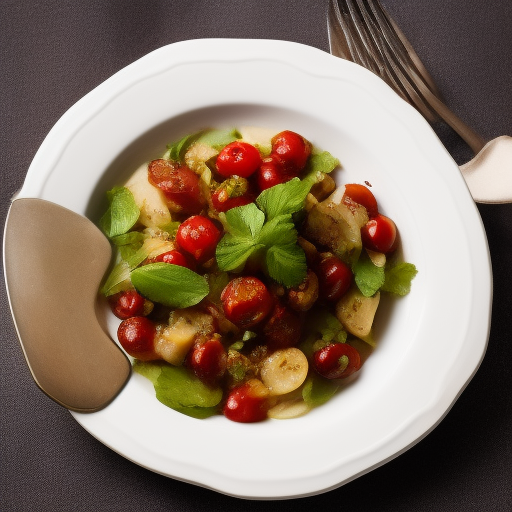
(54,260)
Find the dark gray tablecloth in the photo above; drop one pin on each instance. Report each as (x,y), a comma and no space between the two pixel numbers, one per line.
(52,52)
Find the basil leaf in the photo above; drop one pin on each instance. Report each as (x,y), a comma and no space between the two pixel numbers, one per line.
(170,285)
(217,139)
(279,231)
(368,277)
(178,149)
(118,280)
(232,252)
(398,278)
(122,213)
(322,162)
(318,391)
(285,198)
(286,264)
(179,388)
(129,243)
(245,221)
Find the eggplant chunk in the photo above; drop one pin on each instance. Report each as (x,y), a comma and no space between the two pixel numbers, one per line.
(356,312)
(337,226)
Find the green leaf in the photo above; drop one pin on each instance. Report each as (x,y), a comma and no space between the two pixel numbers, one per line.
(177,150)
(322,162)
(368,277)
(170,285)
(285,198)
(245,221)
(129,243)
(122,213)
(217,139)
(232,252)
(118,280)
(286,264)
(326,326)
(279,231)
(149,369)
(398,278)
(318,391)
(180,389)
(244,224)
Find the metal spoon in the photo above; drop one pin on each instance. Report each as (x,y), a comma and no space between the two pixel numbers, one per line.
(54,260)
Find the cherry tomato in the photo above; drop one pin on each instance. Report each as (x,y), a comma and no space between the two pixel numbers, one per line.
(362,195)
(179,184)
(380,234)
(291,148)
(238,159)
(198,236)
(246,301)
(272,172)
(222,202)
(336,361)
(175,257)
(208,360)
(127,304)
(137,336)
(247,403)
(334,278)
(283,329)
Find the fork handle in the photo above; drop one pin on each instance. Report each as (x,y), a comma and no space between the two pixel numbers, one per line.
(472,139)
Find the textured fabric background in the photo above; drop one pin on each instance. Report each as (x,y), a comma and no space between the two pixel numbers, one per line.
(52,52)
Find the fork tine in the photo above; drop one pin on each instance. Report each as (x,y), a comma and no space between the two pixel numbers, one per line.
(349,41)
(387,24)
(397,65)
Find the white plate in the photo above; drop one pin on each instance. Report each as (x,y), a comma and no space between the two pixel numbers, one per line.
(431,342)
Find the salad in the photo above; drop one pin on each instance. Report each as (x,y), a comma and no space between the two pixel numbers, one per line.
(246,282)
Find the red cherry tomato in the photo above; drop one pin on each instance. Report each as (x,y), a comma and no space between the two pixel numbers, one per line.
(208,360)
(362,195)
(238,159)
(334,278)
(137,337)
(336,361)
(198,236)
(222,202)
(291,148)
(175,257)
(272,172)
(380,234)
(246,301)
(179,184)
(283,329)
(127,304)
(245,404)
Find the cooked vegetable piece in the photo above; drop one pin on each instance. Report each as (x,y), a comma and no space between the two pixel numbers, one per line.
(283,371)
(356,312)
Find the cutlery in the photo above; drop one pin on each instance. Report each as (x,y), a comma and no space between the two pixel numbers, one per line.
(54,260)
(361,31)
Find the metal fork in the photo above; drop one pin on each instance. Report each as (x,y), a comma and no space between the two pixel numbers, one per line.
(361,31)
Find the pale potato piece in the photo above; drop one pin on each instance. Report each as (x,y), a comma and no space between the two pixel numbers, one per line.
(149,199)
(259,137)
(378,258)
(156,246)
(173,341)
(197,155)
(284,370)
(356,312)
(289,409)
